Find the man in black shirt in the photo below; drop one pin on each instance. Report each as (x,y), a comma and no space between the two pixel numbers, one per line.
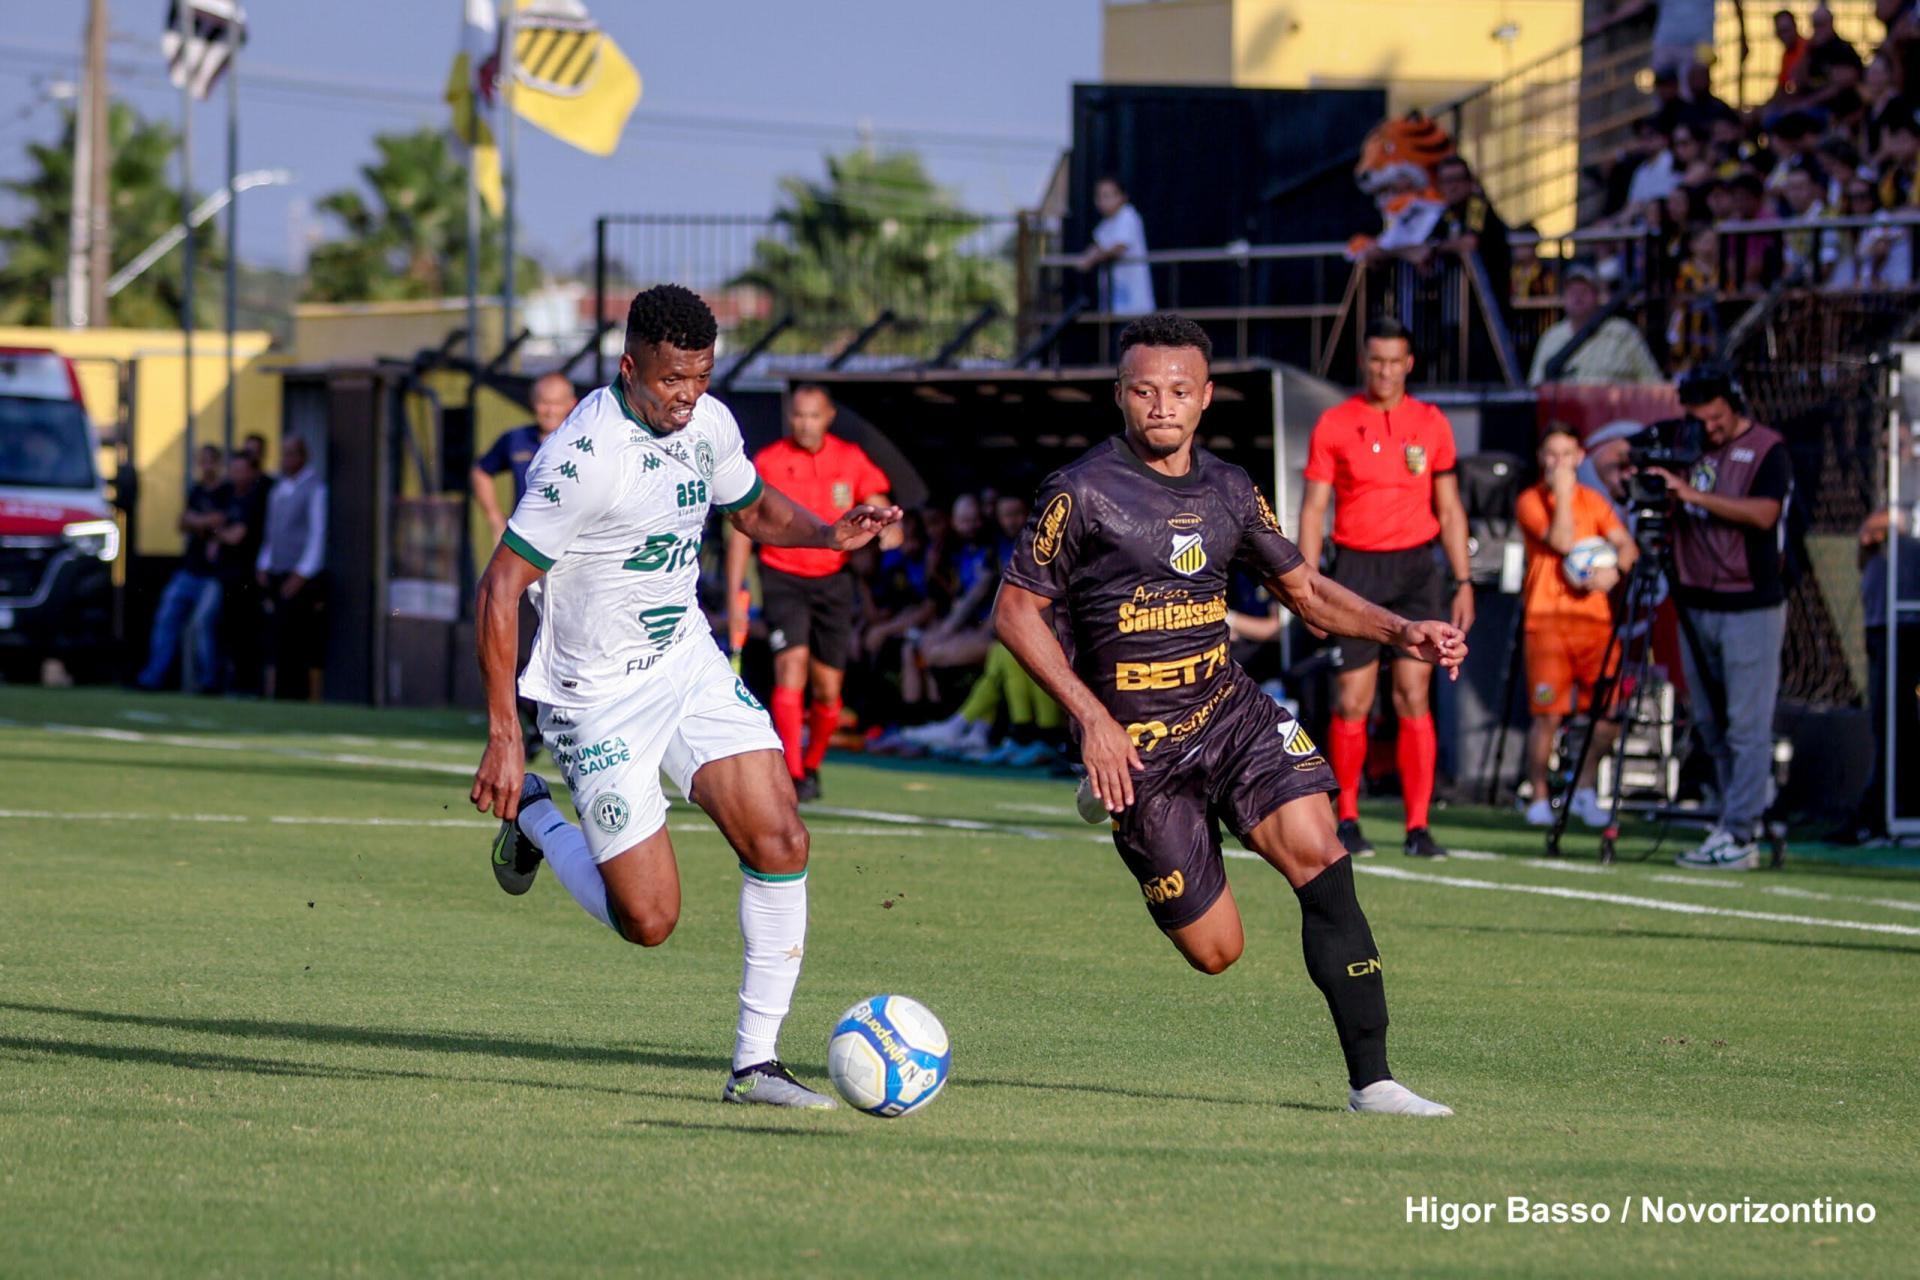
(1131,547)
(191,601)
(240,537)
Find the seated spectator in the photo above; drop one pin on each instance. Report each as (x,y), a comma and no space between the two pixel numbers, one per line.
(1659,175)
(1701,108)
(1791,140)
(1754,256)
(959,640)
(1899,149)
(1531,278)
(1881,96)
(1614,353)
(1727,149)
(1808,254)
(1693,329)
(190,604)
(1839,160)
(1874,257)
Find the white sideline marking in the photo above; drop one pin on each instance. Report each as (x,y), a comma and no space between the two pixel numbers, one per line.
(1474,855)
(293,753)
(1696,878)
(1647,904)
(1561,864)
(1896,903)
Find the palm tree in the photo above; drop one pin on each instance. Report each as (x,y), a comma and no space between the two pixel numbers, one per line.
(878,234)
(410,239)
(145,204)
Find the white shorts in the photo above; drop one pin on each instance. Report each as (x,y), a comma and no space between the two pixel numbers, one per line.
(688,710)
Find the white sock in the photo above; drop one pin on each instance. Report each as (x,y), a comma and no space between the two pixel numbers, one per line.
(565,849)
(773,925)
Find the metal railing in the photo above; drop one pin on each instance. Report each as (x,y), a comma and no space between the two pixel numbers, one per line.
(834,273)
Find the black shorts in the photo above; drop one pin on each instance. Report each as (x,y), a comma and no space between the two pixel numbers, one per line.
(811,613)
(1250,758)
(1411,583)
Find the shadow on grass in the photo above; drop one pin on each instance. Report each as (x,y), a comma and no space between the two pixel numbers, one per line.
(980,1082)
(1642,935)
(226,1063)
(373,1038)
(778,1130)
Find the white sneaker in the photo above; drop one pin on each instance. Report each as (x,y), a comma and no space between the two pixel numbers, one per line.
(1721,852)
(1540,813)
(1390,1097)
(1586,807)
(975,737)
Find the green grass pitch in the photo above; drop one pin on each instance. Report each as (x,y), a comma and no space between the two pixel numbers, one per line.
(264,1012)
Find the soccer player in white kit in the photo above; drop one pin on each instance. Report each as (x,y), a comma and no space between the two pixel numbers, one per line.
(627,677)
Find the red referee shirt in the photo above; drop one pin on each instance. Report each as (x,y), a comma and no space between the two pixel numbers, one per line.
(1381,464)
(826,483)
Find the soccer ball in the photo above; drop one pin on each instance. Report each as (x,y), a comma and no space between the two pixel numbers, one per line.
(889,1055)
(1586,558)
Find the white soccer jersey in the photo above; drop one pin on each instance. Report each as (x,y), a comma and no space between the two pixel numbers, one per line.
(614,514)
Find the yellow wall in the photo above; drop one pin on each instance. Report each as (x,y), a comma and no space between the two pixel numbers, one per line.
(355,332)
(1423,51)
(154,360)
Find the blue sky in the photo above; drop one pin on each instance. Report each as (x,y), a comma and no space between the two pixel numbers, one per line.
(985,85)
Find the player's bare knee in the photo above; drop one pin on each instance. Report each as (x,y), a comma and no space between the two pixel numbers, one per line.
(1214,959)
(648,927)
(781,851)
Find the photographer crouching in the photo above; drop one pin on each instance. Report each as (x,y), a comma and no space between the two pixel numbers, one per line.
(1728,543)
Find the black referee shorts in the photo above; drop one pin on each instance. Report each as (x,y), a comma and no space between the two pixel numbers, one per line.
(1411,583)
(815,614)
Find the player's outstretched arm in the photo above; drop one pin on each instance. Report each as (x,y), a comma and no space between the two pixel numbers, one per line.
(496,612)
(1020,623)
(775,520)
(1323,603)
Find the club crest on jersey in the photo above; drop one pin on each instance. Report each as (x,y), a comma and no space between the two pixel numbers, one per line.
(1189,554)
(703,459)
(843,496)
(1416,460)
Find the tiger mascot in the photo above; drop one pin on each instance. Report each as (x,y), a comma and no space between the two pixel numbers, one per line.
(1396,168)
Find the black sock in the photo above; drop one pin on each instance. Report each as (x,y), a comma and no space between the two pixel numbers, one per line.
(1345,965)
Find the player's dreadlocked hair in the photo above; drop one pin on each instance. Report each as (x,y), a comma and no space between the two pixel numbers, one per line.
(1166,329)
(671,314)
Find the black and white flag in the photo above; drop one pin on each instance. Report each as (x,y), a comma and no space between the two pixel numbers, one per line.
(213,28)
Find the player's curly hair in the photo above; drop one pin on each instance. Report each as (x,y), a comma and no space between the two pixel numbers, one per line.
(1166,329)
(672,314)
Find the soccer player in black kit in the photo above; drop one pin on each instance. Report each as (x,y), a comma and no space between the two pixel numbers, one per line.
(1130,547)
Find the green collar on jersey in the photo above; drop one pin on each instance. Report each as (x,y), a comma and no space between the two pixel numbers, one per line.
(619,394)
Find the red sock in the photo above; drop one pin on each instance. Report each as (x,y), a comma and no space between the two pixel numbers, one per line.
(786,723)
(1348,751)
(1417,750)
(822,719)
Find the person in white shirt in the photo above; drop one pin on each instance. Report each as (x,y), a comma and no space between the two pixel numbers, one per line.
(1119,253)
(288,569)
(628,679)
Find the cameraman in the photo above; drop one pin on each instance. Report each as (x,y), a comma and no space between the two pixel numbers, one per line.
(1728,541)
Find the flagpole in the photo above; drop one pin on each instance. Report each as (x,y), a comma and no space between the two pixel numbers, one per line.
(185,12)
(512,184)
(233,211)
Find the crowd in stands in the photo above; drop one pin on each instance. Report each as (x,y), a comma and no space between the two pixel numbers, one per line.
(1840,136)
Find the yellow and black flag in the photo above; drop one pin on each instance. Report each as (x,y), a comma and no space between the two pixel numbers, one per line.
(569,77)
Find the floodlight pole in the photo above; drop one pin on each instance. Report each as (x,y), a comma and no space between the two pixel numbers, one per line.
(508,75)
(185,12)
(233,214)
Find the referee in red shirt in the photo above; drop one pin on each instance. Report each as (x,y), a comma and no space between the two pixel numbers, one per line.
(807,596)
(1387,462)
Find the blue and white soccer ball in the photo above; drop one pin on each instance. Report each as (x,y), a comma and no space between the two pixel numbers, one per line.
(1586,558)
(889,1055)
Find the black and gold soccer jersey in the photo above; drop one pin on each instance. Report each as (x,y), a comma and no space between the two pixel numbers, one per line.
(1137,564)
